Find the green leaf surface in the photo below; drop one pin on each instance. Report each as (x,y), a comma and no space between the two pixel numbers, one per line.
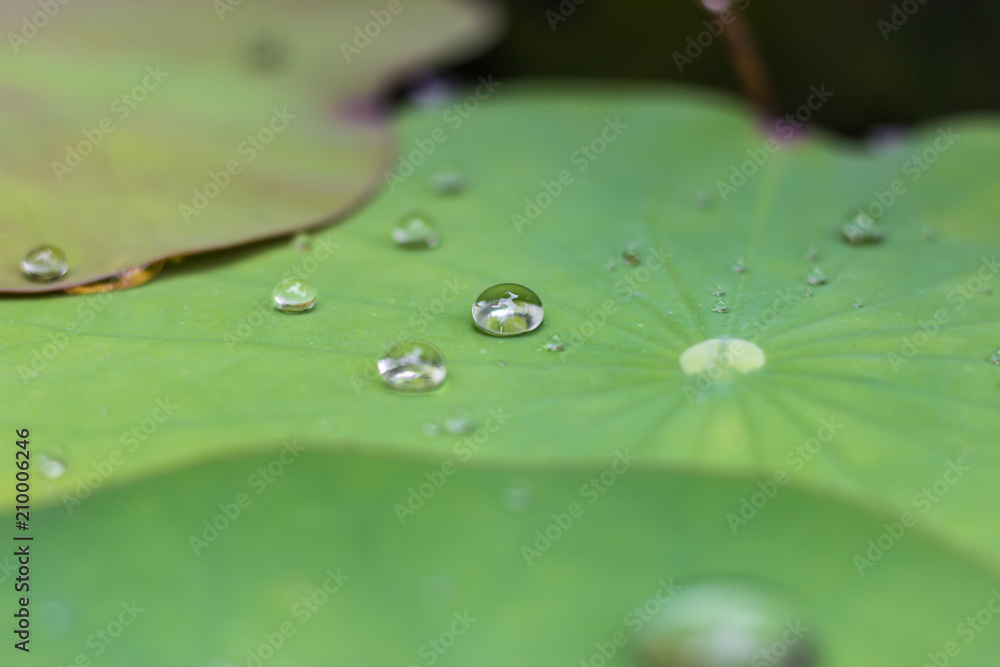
(860,416)
(135,131)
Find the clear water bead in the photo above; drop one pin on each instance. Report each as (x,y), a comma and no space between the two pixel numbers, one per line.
(860,229)
(415,232)
(294,296)
(817,277)
(414,366)
(555,343)
(52,468)
(507,309)
(45,263)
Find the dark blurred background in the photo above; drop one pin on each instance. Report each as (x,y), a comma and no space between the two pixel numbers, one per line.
(887,62)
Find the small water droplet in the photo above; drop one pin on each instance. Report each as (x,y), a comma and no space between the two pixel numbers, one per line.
(995,357)
(460,422)
(721,306)
(728,622)
(857,303)
(413,366)
(448,183)
(294,296)
(808,293)
(507,309)
(302,242)
(630,255)
(703,199)
(501,363)
(860,229)
(611,265)
(720,290)
(431,430)
(555,343)
(740,266)
(415,232)
(516,498)
(812,254)
(45,263)
(817,277)
(52,468)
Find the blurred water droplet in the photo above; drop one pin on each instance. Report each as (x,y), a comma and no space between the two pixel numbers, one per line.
(995,357)
(415,232)
(302,242)
(52,468)
(721,306)
(555,343)
(860,230)
(414,366)
(459,422)
(431,430)
(857,303)
(448,183)
(516,498)
(703,199)
(808,293)
(729,622)
(817,277)
(501,363)
(507,309)
(720,290)
(719,354)
(740,266)
(812,254)
(45,263)
(294,296)
(630,255)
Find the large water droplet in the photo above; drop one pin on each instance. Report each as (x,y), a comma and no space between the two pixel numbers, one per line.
(45,263)
(507,310)
(52,468)
(737,354)
(729,622)
(860,229)
(294,296)
(817,277)
(415,232)
(413,366)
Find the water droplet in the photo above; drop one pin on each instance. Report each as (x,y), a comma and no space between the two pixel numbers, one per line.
(555,343)
(52,468)
(516,498)
(995,357)
(718,354)
(857,303)
(413,366)
(460,422)
(817,277)
(860,229)
(740,266)
(507,309)
(720,290)
(721,306)
(630,255)
(611,265)
(302,242)
(703,199)
(448,183)
(812,254)
(415,232)
(45,263)
(728,622)
(808,292)
(431,430)
(294,296)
